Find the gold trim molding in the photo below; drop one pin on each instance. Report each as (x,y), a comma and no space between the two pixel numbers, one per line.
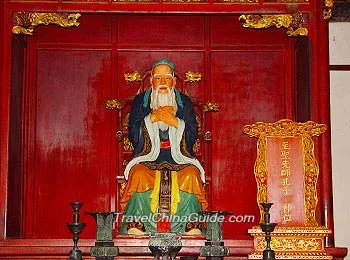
(26,22)
(327,9)
(288,128)
(292,22)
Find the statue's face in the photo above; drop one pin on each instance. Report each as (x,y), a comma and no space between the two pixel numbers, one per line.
(163,79)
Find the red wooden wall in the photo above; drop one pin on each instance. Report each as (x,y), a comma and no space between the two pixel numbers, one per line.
(70,149)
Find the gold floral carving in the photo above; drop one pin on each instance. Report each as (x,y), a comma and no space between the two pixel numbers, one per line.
(122,188)
(327,9)
(260,172)
(292,242)
(284,128)
(294,255)
(185,1)
(197,146)
(125,123)
(193,76)
(292,22)
(288,128)
(114,104)
(26,22)
(125,162)
(295,244)
(239,1)
(133,1)
(131,77)
(210,107)
(127,145)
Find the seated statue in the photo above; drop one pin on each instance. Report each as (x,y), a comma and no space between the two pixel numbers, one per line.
(164,177)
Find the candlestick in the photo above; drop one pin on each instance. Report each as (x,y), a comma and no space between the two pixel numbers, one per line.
(267,227)
(76,228)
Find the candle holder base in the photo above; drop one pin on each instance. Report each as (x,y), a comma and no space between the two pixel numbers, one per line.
(268,255)
(75,254)
(76,228)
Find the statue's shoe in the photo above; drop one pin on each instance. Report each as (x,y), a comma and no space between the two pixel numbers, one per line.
(136,232)
(193,232)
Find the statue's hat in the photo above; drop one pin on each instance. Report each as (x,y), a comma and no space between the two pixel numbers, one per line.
(164,61)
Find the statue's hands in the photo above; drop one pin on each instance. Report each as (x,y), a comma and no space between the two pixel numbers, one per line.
(165,114)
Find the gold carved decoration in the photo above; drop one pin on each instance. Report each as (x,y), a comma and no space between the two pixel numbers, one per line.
(238,1)
(133,1)
(119,135)
(131,77)
(295,244)
(122,188)
(127,145)
(114,104)
(210,107)
(193,76)
(286,1)
(207,136)
(26,22)
(292,22)
(125,123)
(197,146)
(125,162)
(288,128)
(292,242)
(185,1)
(327,9)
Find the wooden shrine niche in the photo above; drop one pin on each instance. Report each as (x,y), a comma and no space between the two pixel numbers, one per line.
(286,173)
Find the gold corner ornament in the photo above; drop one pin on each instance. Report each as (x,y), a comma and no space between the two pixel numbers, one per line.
(131,77)
(193,76)
(292,22)
(25,22)
(114,104)
(327,9)
(288,128)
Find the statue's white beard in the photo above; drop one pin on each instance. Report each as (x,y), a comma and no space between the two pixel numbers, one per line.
(163,99)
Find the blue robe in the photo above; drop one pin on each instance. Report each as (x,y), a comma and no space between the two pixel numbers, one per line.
(141,108)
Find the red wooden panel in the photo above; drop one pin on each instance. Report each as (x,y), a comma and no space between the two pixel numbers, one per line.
(227,30)
(241,82)
(93,29)
(160,30)
(247,91)
(73,139)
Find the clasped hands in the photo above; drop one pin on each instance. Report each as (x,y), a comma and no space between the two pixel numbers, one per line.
(164,114)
